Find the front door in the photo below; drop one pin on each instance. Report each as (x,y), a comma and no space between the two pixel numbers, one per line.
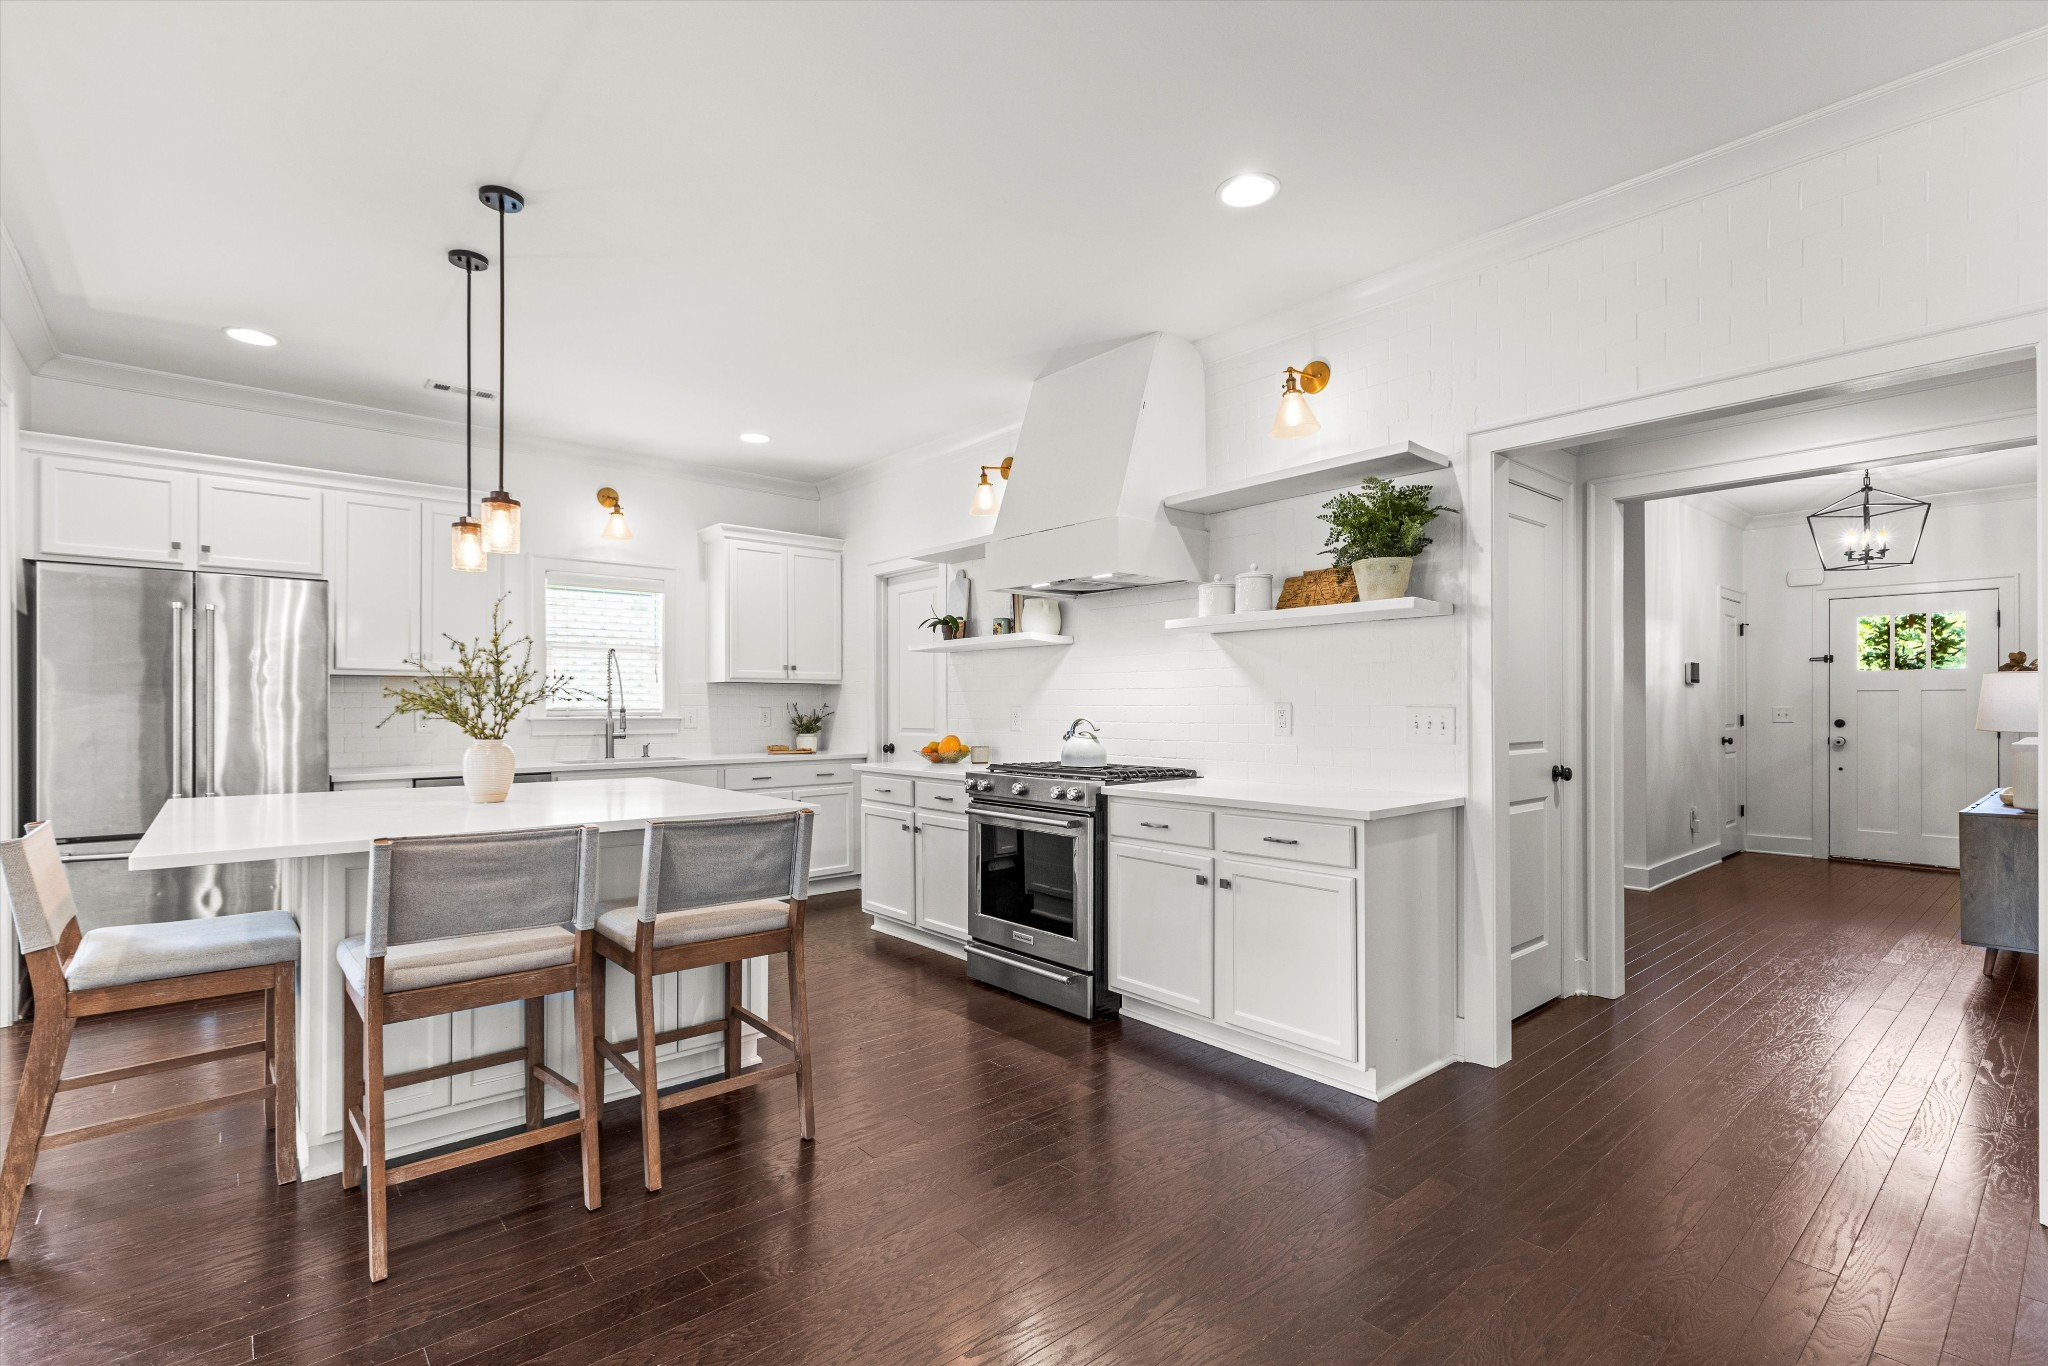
(1534,722)
(914,690)
(1904,754)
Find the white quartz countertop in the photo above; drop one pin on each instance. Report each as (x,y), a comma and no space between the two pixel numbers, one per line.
(198,830)
(1282,797)
(407,772)
(918,768)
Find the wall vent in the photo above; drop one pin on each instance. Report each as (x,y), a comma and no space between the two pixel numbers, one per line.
(443,387)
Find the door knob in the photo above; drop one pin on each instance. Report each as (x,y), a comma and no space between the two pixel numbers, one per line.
(1560,774)
(1727,739)
(1839,723)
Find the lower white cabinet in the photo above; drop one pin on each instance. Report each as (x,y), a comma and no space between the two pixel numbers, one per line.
(1287,955)
(1162,941)
(942,874)
(888,863)
(831,828)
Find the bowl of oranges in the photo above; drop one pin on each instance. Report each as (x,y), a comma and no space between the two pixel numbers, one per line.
(947,751)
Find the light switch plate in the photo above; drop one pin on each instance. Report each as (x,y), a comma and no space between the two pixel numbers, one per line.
(1016,718)
(1433,725)
(1283,718)
(1781,716)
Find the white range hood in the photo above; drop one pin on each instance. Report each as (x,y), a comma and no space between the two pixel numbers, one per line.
(1104,440)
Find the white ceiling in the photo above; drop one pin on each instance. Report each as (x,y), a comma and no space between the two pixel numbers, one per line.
(856,227)
(1923,479)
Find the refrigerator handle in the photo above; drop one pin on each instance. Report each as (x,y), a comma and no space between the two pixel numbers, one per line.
(205,707)
(181,711)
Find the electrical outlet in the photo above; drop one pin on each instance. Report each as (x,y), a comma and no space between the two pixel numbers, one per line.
(1781,716)
(1433,725)
(1016,718)
(1283,718)
(766,720)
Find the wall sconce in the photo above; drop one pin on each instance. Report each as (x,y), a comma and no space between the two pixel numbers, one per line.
(615,528)
(1294,417)
(984,504)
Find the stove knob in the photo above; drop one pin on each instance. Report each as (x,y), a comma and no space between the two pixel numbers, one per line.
(982,784)
(1019,789)
(1077,795)
(1057,793)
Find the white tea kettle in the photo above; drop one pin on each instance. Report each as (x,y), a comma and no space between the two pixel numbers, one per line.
(1081,747)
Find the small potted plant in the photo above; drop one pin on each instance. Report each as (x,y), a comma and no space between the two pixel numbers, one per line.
(1377,531)
(809,725)
(481,694)
(948,627)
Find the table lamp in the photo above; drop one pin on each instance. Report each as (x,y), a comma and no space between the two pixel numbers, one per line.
(2010,700)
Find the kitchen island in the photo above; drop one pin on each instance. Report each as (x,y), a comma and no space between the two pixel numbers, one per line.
(324,839)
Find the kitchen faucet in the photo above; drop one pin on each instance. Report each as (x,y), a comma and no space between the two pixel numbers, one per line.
(614,730)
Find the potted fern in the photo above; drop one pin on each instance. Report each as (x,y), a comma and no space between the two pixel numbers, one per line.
(1377,531)
(481,694)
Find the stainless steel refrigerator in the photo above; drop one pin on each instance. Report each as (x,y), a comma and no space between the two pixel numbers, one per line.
(150,685)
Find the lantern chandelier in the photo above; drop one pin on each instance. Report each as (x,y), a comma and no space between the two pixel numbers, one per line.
(1868,529)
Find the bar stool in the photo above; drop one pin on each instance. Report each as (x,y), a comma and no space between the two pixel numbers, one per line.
(457,922)
(121,968)
(710,892)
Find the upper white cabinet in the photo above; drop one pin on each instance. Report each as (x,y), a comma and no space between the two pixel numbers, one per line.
(257,527)
(109,511)
(455,602)
(375,594)
(774,599)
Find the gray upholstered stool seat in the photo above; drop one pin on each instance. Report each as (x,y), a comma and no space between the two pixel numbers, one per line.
(461,958)
(620,922)
(115,955)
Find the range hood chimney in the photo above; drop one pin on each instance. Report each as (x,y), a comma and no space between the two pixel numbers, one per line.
(1104,440)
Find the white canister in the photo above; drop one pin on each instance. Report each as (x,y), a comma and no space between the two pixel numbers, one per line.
(1041,616)
(1215,598)
(1255,590)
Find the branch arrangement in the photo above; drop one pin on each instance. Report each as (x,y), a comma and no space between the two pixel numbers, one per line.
(483,692)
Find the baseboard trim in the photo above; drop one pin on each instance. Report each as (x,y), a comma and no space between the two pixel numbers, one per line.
(896,929)
(1638,878)
(1797,846)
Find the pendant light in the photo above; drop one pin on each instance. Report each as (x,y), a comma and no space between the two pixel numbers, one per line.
(1294,417)
(466,537)
(1868,529)
(501,509)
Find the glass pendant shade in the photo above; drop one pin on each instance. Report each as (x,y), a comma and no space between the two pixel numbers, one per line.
(615,528)
(984,504)
(466,546)
(501,523)
(1868,529)
(1294,417)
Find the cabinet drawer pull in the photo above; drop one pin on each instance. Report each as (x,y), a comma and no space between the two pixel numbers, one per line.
(1224,883)
(1275,839)
(828,773)
(937,797)
(1201,879)
(1154,825)
(764,777)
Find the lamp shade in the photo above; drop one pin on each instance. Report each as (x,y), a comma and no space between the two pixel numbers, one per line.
(2010,700)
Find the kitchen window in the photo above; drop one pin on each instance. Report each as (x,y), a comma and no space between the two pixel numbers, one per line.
(589,614)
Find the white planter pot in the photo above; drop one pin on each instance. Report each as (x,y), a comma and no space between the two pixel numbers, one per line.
(487,770)
(1383,578)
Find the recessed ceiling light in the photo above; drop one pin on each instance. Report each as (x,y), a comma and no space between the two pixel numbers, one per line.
(754,438)
(1248,191)
(249,336)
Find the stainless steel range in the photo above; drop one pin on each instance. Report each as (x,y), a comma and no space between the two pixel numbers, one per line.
(1039,840)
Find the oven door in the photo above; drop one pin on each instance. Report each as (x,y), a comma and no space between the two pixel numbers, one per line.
(1032,888)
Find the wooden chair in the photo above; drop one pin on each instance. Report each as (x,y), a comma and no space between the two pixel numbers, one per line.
(711,892)
(457,922)
(120,968)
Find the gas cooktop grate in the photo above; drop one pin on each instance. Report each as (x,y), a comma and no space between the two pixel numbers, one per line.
(1108,774)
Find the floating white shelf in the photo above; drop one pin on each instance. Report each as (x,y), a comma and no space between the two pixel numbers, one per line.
(1016,640)
(1321,476)
(954,552)
(1386,609)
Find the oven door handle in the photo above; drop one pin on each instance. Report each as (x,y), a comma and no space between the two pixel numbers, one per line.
(1020,816)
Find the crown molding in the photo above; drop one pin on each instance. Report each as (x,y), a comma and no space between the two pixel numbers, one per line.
(334,413)
(26,322)
(1970,79)
(930,452)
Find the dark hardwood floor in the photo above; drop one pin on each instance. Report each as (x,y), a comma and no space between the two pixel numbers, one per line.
(1807,1133)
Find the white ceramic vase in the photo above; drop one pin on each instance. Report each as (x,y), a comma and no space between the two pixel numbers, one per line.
(1382,578)
(1041,616)
(487,770)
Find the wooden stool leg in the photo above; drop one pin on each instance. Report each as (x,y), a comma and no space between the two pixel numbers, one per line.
(39,1074)
(732,1021)
(800,1011)
(283,1051)
(270,1059)
(373,1125)
(650,1079)
(536,1058)
(351,1092)
(589,1076)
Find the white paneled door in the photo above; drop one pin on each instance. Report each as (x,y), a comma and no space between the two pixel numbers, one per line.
(1734,720)
(914,691)
(1904,753)
(1534,725)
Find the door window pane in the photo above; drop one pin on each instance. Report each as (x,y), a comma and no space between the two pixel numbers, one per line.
(1948,640)
(1909,641)
(1873,643)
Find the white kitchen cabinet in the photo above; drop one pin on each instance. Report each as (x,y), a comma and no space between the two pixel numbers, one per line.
(1287,960)
(1162,934)
(454,602)
(831,828)
(942,874)
(105,510)
(375,590)
(888,863)
(258,527)
(774,606)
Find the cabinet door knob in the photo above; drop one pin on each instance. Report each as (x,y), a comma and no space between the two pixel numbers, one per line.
(1224,883)
(177,545)
(206,550)
(1201,879)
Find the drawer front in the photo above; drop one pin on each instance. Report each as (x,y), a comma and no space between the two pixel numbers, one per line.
(943,797)
(891,791)
(1155,824)
(748,777)
(1283,837)
(816,775)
